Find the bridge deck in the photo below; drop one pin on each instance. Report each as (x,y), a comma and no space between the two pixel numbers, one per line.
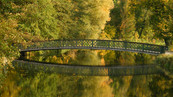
(96,44)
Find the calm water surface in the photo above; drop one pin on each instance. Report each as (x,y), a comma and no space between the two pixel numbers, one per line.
(24,83)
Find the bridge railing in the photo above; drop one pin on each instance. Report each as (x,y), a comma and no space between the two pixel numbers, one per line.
(96,44)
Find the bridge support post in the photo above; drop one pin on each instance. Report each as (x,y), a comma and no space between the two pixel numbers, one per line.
(92,43)
(108,44)
(125,45)
(143,47)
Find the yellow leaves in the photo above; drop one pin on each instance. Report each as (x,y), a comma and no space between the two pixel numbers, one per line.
(54,59)
(76,10)
(166,0)
(10,89)
(8,30)
(165,84)
(136,36)
(4,60)
(171,47)
(104,36)
(154,41)
(163,26)
(97,87)
(161,83)
(9,37)
(69,0)
(106,81)
(15,6)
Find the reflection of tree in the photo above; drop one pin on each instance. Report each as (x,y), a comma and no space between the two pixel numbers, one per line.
(139,86)
(88,57)
(97,87)
(121,85)
(53,85)
(142,86)
(10,88)
(42,84)
(119,58)
(161,86)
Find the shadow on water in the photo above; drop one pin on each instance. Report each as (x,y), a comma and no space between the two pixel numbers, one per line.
(35,62)
(34,66)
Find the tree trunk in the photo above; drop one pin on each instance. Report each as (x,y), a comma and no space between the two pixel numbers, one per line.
(167,41)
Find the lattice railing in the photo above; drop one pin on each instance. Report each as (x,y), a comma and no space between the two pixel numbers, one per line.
(96,44)
(87,70)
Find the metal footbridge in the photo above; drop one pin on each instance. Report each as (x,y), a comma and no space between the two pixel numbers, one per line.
(90,70)
(95,44)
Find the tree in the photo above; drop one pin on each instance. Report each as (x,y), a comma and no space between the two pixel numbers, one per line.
(82,19)
(38,18)
(160,16)
(9,38)
(123,20)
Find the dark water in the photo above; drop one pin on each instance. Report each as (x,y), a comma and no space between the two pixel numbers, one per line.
(24,83)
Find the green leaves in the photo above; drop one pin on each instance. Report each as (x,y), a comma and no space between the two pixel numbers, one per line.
(82,19)
(39,19)
(8,37)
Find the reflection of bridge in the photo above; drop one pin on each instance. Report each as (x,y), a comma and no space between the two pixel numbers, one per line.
(95,44)
(87,70)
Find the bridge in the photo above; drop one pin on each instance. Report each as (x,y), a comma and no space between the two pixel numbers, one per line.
(86,70)
(90,70)
(95,44)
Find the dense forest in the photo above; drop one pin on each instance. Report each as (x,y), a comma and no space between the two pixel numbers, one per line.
(26,21)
